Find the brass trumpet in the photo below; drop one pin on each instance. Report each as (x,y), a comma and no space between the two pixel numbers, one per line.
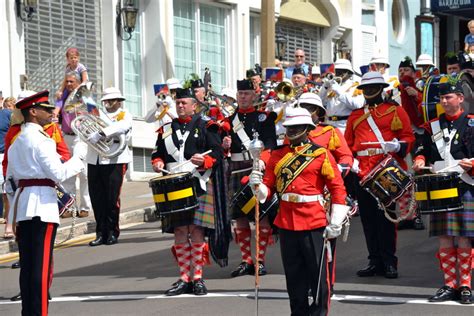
(285,91)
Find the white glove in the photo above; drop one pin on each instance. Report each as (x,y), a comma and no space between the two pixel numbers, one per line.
(95,137)
(259,189)
(80,150)
(338,215)
(261,165)
(391,147)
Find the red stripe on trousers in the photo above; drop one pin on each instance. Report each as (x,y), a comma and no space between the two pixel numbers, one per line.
(45,268)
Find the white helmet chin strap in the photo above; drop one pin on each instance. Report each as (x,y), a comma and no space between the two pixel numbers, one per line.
(297,135)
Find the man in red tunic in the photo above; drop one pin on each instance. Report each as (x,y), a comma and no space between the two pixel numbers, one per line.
(298,172)
(374,131)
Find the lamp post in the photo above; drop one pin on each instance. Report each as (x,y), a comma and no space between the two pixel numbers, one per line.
(25,9)
(280,47)
(126,19)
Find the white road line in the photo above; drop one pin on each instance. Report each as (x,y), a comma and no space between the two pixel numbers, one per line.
(262,295)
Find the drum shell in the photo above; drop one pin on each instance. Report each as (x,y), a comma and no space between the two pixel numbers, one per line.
(430,189)
(387,182)
(174,193)
(243,205)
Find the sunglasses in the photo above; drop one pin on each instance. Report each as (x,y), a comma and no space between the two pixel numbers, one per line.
(299,56)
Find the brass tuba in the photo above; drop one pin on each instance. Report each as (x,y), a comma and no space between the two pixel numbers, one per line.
(85,124)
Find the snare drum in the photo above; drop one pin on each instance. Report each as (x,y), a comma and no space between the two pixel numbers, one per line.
(387,181)
(437,193)
(175,198)
(65,199)
(243,205)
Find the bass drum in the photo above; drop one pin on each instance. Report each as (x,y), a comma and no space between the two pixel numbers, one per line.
(467,82)
(431,103)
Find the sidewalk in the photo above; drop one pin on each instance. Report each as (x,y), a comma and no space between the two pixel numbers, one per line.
(137,206)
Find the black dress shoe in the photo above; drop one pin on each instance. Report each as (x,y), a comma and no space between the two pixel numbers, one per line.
(16,298)
(199,287)
(390,272)
(244,268)
(97,242)
(418,224)
(261,268)
(179,288)
(111,240)
(446,293)
(16,265)
(465,295)
(370,270)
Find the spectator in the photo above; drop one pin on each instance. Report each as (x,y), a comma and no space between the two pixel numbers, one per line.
(5,115)
(72,82)
(73,64)
(299,63)
(469,39)
(452,64)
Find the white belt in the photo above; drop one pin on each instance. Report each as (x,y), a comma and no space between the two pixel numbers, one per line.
(298,198)
(370,152)
(240,156)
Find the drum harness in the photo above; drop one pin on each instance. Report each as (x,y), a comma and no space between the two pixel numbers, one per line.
(412,203)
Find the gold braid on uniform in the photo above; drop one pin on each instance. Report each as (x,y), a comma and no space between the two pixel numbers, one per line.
(326,169)
(334,141)
(396,122)
(56,134)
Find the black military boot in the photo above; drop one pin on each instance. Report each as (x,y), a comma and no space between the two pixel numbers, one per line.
(180,287)
(244,268)
(99,240)
(446,293)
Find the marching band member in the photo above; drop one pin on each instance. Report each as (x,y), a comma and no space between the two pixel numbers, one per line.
(298,78)
(340,99)
(380,63)
(389,125)
(244,123)
(34,168)
(411,99)
(187,137)
(298,172)
(256,79)
(106,174)
(425,62)
(332,139)
(448,140)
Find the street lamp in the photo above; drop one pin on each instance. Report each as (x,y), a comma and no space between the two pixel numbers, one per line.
(25,9)
(126,18)
(280,47)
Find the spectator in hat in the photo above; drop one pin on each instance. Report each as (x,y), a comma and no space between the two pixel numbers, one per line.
(106,173)
(300,58)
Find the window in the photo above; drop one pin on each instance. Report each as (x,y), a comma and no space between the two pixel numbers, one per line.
(132,72)
(254,40)
(368,12)
(57,26)
(304,36)
(141,160)
(200,41)
(399,19)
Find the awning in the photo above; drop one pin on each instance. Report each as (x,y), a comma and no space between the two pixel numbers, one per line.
(462,8)
(305,11)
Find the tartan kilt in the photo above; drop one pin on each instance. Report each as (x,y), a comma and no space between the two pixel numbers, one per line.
(458,223)
(201,216)
(234,182)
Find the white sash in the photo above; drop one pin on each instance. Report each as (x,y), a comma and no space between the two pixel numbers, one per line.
(240,131)
(375,128)
(171,148)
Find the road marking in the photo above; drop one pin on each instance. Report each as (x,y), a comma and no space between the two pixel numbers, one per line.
(262,295)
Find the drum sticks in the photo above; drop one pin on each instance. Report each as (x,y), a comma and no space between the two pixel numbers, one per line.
(187,161)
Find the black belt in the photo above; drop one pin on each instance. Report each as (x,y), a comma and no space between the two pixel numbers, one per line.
(70,134)
(338,118)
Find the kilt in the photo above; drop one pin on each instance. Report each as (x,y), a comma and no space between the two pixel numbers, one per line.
(458,223)
(202,216)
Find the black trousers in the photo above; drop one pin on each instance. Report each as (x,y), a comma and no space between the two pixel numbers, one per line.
(105,184)
(35,244)
(301,256)
(380,233)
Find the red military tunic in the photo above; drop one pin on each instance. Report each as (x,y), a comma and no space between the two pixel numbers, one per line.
(359,131)
(323,135)
(308,215)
